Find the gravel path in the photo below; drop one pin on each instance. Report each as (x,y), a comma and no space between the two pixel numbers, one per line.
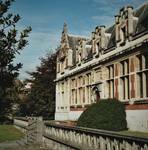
(15,146)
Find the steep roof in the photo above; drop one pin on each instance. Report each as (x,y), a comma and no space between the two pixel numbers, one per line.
(111,42)
(142,14)
(142,25)
(73,40)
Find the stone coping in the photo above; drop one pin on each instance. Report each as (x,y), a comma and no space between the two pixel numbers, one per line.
(103,133)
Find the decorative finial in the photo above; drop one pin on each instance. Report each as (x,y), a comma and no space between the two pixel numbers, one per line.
(65,30)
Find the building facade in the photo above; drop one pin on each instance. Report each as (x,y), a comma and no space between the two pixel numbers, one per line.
(112,63)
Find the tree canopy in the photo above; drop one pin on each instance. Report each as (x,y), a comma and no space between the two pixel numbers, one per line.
(41,99)
(12,42)
(106,114)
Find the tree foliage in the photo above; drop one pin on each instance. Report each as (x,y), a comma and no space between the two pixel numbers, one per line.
(12,42)
(106,114)
(41,99)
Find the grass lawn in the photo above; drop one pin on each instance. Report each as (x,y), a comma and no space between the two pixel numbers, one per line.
(9,133)
(134,133)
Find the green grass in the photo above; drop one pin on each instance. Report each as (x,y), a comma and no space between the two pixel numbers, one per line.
(9,133)
(134,133)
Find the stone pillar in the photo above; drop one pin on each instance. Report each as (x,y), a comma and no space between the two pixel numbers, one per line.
(117,31)
(130,20)
(40,129)
(102,32)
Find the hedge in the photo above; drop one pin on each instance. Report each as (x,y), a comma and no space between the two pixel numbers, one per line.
(106,114)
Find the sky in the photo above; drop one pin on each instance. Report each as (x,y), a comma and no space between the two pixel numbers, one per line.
(46,17)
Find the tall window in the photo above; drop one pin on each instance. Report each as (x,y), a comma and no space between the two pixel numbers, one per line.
(97,48)
(58,67)
(110,81)
(123,35)
(73,92)
(124,80)
(62,92)
(88,88)
(142,76)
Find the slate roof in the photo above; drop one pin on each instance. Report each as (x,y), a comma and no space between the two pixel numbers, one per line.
(111,42)
(142,25)
(73,40)
(142,14)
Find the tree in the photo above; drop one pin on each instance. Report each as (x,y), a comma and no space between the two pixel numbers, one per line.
(106,114)
(11,43)
(41,99)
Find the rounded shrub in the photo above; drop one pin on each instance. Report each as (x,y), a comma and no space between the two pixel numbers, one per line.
(106,114)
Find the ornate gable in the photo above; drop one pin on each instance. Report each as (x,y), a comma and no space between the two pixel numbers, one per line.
(125,23)
(64,46)
(99,40)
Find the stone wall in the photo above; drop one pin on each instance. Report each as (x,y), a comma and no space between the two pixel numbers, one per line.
(61,137)
(90,139)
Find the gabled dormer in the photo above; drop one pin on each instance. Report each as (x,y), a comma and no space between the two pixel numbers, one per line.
(79,52)
(84,51)
(62,54)
(99,40)
(64,46)
(125,24)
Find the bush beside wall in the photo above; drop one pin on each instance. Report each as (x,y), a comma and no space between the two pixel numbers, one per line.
(106,114)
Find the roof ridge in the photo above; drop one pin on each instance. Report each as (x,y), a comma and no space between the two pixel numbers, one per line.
(78,36)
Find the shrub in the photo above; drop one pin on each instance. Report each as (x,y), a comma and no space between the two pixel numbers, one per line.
(106,114)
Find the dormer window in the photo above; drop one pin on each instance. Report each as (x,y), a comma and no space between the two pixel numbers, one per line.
(124,25)
(123,35)
(97,47)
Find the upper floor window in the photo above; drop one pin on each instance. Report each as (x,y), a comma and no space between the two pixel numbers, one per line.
(124,67)
(123,35)
(111,71)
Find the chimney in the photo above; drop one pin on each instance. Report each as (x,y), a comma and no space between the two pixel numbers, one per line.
(117,32)
(97,29)
(130,20)
(102,36)
(93,35)
(65,29)
(102,29)
(117,19)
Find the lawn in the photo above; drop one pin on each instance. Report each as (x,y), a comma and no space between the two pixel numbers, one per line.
(9,133)
(134,133)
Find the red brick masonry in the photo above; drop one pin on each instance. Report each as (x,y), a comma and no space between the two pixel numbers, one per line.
(137,107)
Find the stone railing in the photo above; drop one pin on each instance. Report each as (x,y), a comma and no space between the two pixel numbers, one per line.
(32,127)
(67,137)
(21,123)
(89,139)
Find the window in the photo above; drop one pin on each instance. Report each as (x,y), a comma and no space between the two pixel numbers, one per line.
(110,81)
(142,76)
(139,66)
(58,67)
(111,88)
(73,92)
(139,85)
(98,75)
(123,35)
(124,80)
(125,87)
(124,67)
(97,47)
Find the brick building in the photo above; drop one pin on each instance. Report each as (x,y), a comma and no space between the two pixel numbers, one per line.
(113,62)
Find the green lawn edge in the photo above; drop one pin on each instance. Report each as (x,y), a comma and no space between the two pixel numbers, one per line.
(9,133)
(134,133)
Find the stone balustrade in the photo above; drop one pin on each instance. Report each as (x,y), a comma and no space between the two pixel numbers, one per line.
(61,137)
(90,139)
(21,124)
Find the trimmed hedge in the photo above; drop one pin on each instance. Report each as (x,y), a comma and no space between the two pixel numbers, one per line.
(106,114)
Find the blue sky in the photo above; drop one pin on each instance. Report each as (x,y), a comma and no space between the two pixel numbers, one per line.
(46,17)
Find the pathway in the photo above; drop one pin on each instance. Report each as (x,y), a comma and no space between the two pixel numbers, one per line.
(15,146)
